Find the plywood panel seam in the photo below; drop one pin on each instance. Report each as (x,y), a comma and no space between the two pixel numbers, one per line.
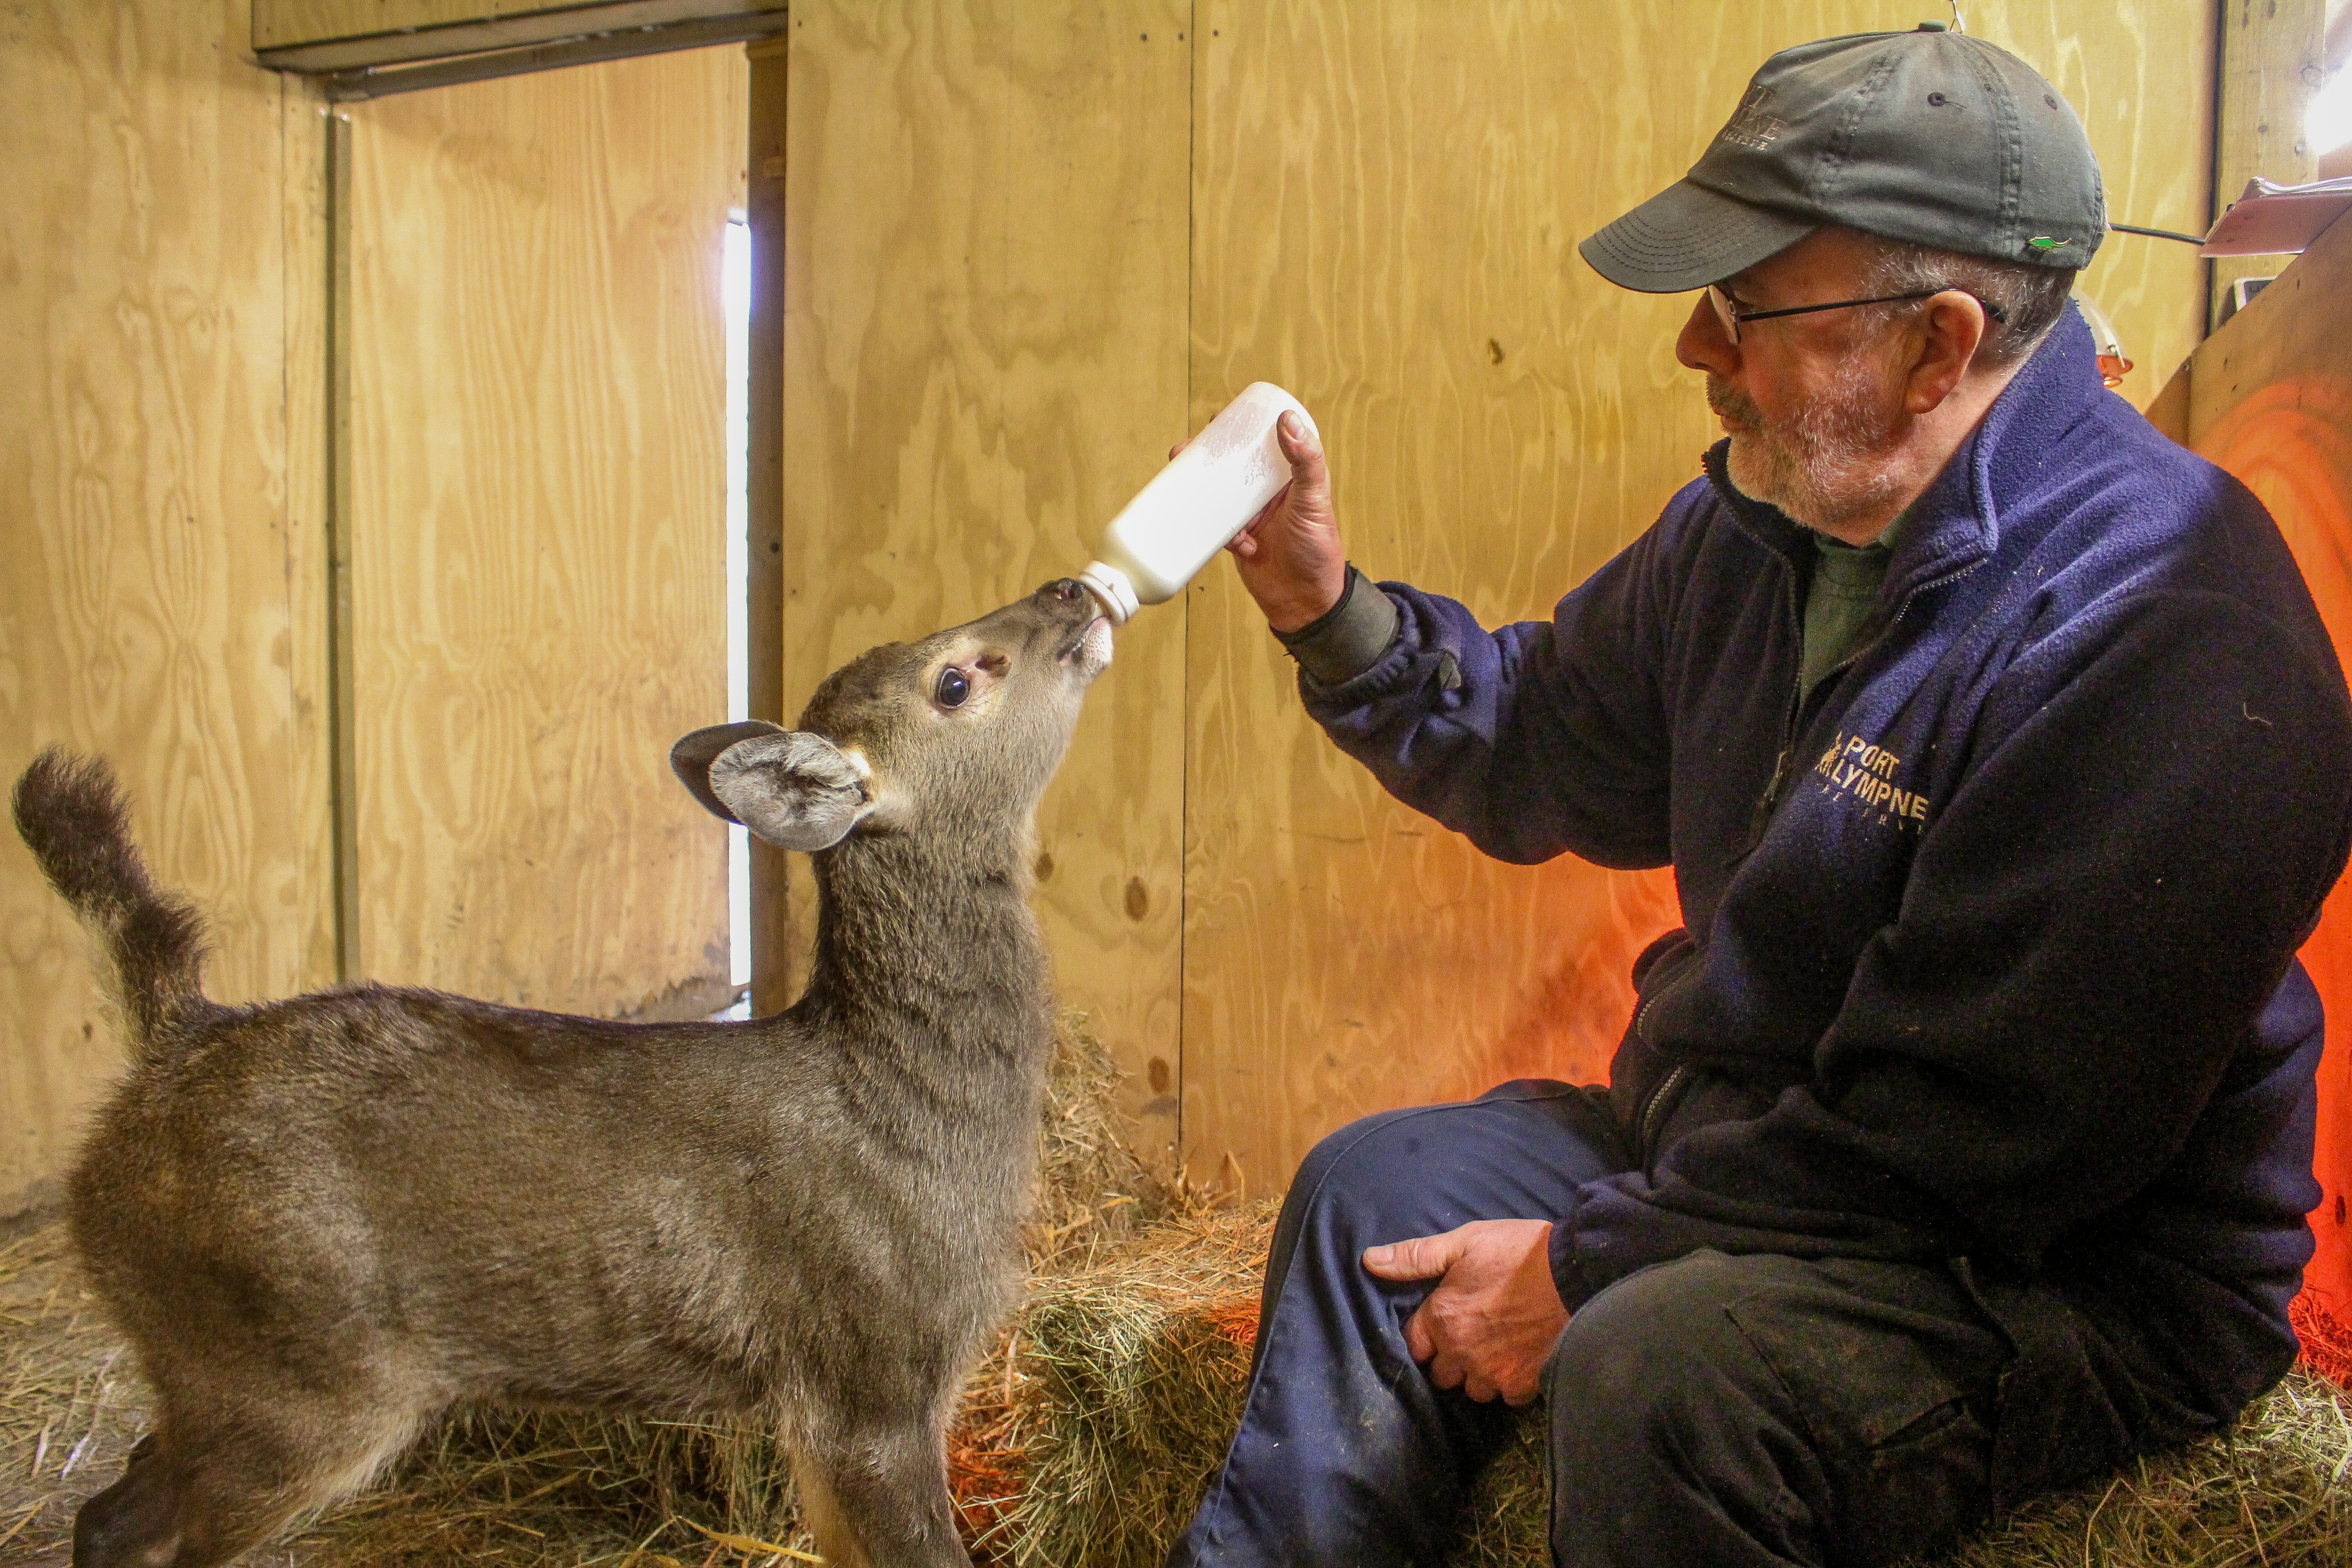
(1184,598)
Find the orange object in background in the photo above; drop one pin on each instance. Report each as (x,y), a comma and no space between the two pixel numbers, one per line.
(2291,444)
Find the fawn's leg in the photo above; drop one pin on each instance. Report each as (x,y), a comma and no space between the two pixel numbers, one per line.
(135,1521)
(879,1500)
(215,1483)
(822,1514)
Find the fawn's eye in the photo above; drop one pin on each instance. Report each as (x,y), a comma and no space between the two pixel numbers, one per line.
(953,687)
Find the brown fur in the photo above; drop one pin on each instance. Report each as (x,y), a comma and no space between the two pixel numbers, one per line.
(323,1221)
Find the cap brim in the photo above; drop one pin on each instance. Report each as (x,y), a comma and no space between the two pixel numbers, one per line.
(1687,237)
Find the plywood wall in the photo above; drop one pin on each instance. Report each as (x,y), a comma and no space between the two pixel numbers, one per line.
(2141,76)
(984,355)
(160,496)
(539,512)
(1386,198)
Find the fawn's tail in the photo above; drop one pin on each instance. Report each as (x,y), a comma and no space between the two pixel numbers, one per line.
(70,812)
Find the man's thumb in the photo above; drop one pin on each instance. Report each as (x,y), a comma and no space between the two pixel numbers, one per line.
(1423,1258)
(1291,433)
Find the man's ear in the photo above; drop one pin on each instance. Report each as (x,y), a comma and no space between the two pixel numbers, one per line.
(795,790)
(1954,325)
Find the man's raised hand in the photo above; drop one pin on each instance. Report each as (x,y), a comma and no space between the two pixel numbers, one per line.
(1490,1324)
(1289,554)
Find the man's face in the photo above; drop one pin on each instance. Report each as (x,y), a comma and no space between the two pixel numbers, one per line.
(1813,403)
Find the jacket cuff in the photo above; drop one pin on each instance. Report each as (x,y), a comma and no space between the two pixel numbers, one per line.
(1567,1275)
(1350,637)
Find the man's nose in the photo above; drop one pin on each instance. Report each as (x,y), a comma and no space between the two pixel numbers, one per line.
(1703,344)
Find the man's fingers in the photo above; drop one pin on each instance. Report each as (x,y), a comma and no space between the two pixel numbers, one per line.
(1418,1341)
(1269,512)
(1423,1258)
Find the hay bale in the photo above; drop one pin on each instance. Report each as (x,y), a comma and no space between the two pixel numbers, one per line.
(1128,1382)
(544,1488)
(1095,1188)
(2276,1492)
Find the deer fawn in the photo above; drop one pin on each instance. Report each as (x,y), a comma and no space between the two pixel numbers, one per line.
(322,1222)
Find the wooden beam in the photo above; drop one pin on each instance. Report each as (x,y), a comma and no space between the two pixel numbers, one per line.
(591,49)
(2269,66)
(2290,335)
(342,730)
(322,35)
(764,494)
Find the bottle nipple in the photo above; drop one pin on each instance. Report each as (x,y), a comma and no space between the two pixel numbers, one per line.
(1111,590)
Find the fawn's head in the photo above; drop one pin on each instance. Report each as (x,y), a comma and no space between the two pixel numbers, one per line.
(957,732)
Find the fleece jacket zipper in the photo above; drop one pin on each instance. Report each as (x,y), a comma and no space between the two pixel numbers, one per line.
(1784,775)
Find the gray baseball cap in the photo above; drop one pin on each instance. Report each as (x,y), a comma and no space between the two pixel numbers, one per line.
(1928,136)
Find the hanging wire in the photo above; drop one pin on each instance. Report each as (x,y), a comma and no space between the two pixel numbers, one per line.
(1959,23)
(2155,233)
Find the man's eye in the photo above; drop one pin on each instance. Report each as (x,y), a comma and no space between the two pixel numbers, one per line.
(954,686)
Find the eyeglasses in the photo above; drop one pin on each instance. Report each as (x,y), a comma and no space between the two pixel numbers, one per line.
(1731,318)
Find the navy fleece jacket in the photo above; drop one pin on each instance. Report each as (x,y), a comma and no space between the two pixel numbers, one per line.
(1988,946)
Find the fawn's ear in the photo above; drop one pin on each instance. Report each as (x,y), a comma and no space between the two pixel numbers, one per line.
(795,790)
(691,758)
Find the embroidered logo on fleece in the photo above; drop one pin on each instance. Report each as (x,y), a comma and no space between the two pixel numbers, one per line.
(1865,772)
(1750,126)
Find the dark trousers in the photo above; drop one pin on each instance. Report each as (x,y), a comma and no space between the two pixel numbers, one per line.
(1711,1411)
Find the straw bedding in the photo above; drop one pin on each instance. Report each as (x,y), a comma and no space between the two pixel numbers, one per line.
(1085,1440)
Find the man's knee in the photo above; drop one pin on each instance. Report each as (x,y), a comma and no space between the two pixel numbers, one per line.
(1779,1410)
(1660,1349)
(1672,1439)
(1428,1168)
(1330,1157)
(1372,1176)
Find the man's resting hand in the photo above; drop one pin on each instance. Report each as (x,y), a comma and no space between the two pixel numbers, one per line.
(1489,1326)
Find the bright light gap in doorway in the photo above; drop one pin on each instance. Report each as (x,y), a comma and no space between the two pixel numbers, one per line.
(735,295)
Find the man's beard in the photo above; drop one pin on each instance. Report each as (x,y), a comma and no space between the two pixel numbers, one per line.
(1826,463)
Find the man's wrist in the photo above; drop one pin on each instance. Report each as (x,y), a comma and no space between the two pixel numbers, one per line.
(1350,637)
(1295,617)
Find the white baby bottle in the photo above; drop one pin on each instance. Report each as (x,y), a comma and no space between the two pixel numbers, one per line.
(1195,506)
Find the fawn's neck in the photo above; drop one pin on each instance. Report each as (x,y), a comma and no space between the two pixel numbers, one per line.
(928,949)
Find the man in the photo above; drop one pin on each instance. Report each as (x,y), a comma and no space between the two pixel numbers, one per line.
(1960,1145)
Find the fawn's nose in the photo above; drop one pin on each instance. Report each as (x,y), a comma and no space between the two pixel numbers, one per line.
(1066,602)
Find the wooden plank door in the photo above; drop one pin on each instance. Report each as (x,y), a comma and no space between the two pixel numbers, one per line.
(537,396)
